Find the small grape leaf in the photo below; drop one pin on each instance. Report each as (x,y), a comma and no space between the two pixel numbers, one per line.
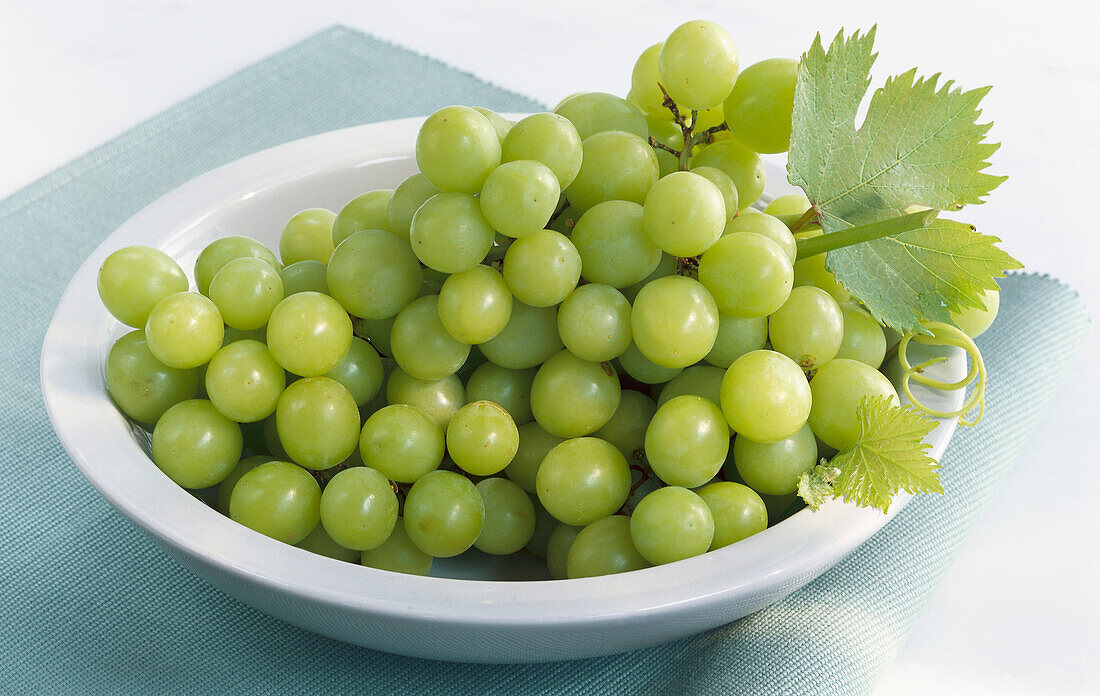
(889,456)
(816,485)
(919,144)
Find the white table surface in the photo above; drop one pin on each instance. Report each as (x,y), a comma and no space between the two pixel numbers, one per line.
(1018,611)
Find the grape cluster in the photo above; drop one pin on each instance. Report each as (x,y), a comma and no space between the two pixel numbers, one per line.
(547,338)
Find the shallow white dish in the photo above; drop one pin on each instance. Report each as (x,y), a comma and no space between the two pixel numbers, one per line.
(434,617)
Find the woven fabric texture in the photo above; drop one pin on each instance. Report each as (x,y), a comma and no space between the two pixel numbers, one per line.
(90,605)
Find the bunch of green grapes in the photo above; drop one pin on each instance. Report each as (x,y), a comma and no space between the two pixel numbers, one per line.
(564,336)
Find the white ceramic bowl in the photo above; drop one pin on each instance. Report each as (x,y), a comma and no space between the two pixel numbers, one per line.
(484,618)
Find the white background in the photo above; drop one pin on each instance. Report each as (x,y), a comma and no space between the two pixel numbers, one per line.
(1018,612)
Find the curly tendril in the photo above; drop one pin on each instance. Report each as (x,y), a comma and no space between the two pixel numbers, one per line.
(944,335)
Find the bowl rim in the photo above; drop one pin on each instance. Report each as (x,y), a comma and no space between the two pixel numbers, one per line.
(101,444)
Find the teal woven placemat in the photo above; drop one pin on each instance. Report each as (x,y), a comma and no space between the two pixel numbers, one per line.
(89,605)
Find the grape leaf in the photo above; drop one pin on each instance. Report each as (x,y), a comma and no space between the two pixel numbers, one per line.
(919,145)
(890,455)
(816,485)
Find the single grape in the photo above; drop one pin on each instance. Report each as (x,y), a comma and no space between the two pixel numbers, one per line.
(674,321)
(519,197)
(765,396)
(500,124)
(668,265)
(376,331)
(142,386)
(449,233)
(184,330)
(420,343)
(773,468)
(557,549)
(304,276)
(597,112)
(687,441)
(571,397)
(838,388)
(737,336)
(737,510)
(398,554)
(975,320)
(482,439)
(360,371)
(244,382)
(308,236)
(698,64)
(582,480)
(509,389)
(373,274)
(528,339)
(699,380)
(808,328)
(812,271)
(626,429)
(245,291)
(403,442)
(788,204)
(196,446)
(309,334)
(644,85)
(225,488)
(358,508)
(233,335)
(279,500)
(766,226)
(748,275)
(317,422)
(456,149)
(670,135)
(684,214)
(475,305)
(221,251)
(534,444)
(319,542)
(725,185)
(641,368)
(541,269)
(440,398)
(134,279)
(548,138)
(615,166)
(613,245)
(444,514)
(741,164)
(864,339)
(369,211)
(407,198)
(594,322)
(671,524)
(509,517)
(760,106)
(603,547)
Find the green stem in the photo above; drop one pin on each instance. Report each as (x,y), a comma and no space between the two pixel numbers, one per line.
(864,233)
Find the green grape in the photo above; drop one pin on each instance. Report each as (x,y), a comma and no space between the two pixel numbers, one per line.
(233,335)
(308,236)
(548,138)
(788,204)
(245,291)
(684,214)
(534,444)
(304,276)
(594,322)
(641,368)
(671,524)
(626,429)
(765,396)
(319,542)
(500,124)
(557,549)
(864,340)
(358,508)
(737,510)
(740,164)
(671,135)
(545,524)
(974,320)
(613,245)
(184,330)
(780,507)
(407,198)
(603,547)
(369,211)
(444,514)
(196,446)
(456,149)
(134,279)
(271,439)
(317,422)
(766,226)
(420,343)
(541,269)
(615,166)
(644,81)
(360,371)
(698,64)
(668,265)
(482,438)
(433,282)
(748,275)
(838,388)
(142,386)
(582,480)
(529,338)
(373,274)
(760,106)
(244,382)
(376,331)
(509,517)
(225,488)
(812,271)
(808,328)
(449,233)
(725,186)
(440,398)
(403,442)
(699,380)
(597,112)
(279,500)
(674,321)
(309,334)
(519,197)
(708,118)
(398,554)
(475,305)
(571,397)
(221,251)
(773,468)
(737,336)
(687,441)
(509,389)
